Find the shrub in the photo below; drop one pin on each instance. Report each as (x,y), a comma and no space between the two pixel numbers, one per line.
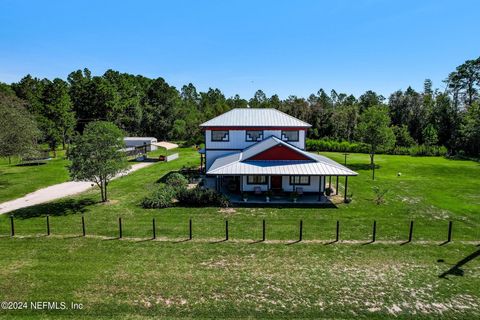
(354,147)
(177,181)
(162,197)
(202,197)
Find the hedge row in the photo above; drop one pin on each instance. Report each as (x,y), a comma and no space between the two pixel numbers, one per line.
(359,147)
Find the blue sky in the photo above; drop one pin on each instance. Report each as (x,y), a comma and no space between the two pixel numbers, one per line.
(283,47)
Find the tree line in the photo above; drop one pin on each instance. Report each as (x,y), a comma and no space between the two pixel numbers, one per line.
(142,106)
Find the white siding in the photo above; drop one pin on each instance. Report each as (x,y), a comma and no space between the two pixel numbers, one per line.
(251,187)
(312,187)
(237,140)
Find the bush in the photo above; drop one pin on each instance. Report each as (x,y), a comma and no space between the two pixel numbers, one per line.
(354,147)
(202,197)
(177,181)
(162,197)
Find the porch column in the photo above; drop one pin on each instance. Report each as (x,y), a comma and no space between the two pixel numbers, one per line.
(201,163)
(336,188)
(319,188)
(330,182)
(346,189)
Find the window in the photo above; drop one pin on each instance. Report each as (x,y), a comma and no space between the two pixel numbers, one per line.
(299,180)
(257,180)
(220,135)
(290,135)
(254,135)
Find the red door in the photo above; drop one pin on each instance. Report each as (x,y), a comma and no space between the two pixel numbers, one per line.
(276,182)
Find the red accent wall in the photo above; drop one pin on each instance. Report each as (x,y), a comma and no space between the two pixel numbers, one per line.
(279,152)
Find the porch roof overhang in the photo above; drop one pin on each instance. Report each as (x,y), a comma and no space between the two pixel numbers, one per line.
(285,168)
(245,162)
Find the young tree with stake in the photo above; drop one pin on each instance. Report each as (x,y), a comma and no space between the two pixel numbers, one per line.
(96,155)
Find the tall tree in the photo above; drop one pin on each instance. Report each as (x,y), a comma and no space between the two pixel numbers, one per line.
(18,128)
(57,116)
(96,155)
(369,99)
(374,130)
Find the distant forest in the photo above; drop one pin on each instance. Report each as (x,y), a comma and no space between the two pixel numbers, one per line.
(151,107)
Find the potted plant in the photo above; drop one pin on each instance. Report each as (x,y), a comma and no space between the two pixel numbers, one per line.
(245,196)
(268,195)
(328,192)
(294,195)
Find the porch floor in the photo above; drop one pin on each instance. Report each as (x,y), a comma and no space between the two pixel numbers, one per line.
(283,200)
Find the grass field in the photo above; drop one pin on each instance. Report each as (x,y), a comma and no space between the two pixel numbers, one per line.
(136,277)
(17,180)
(119,279)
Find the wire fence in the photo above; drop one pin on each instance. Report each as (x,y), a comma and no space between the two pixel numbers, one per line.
(248,229)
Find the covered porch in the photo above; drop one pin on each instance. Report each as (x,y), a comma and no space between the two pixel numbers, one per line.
(280,188)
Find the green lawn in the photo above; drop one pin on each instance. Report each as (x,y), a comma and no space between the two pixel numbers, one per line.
(17,180)
(137,277)
(430,191)
(126,279)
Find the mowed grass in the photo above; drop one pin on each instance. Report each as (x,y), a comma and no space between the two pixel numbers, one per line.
(133,279)
(17,180)
(430,191)
(138,278)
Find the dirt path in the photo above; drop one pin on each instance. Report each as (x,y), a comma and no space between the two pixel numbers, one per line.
(57,191)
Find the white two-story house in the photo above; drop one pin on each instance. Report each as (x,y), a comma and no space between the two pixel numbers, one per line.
(255,150)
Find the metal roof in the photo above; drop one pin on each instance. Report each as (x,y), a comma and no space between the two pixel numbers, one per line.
(139,138)
(238,163)
(255,117)
(165,145)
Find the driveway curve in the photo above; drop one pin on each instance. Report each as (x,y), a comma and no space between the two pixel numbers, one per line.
(58,191)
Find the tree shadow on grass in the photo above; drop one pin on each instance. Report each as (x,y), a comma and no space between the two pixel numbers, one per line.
(362,166)
(31,164)
(456,270)
(58,208)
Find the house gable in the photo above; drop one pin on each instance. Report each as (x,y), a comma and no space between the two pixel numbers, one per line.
(279,152)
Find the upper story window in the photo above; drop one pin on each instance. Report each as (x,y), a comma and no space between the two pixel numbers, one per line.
(254,135)
(220,135)
(290,135)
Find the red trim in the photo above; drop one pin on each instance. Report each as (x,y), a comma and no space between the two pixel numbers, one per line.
(279,152)
(256,128)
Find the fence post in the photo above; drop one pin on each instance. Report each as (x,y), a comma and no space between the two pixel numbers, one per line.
(12,227)
(450,223)
(48,225)
(301,231)
(410,233)
(263,230)
(153,229)
(83,226)
(120,228)
(374,231)
(190,229)
(226,229)
(338,231)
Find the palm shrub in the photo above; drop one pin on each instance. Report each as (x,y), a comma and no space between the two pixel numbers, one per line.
(161,197)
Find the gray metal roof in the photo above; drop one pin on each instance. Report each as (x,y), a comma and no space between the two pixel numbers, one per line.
(255,117)
(238,163)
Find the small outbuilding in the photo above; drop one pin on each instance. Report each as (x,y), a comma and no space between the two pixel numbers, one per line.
(135,142)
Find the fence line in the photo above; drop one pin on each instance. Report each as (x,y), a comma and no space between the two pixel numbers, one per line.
(409,237)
